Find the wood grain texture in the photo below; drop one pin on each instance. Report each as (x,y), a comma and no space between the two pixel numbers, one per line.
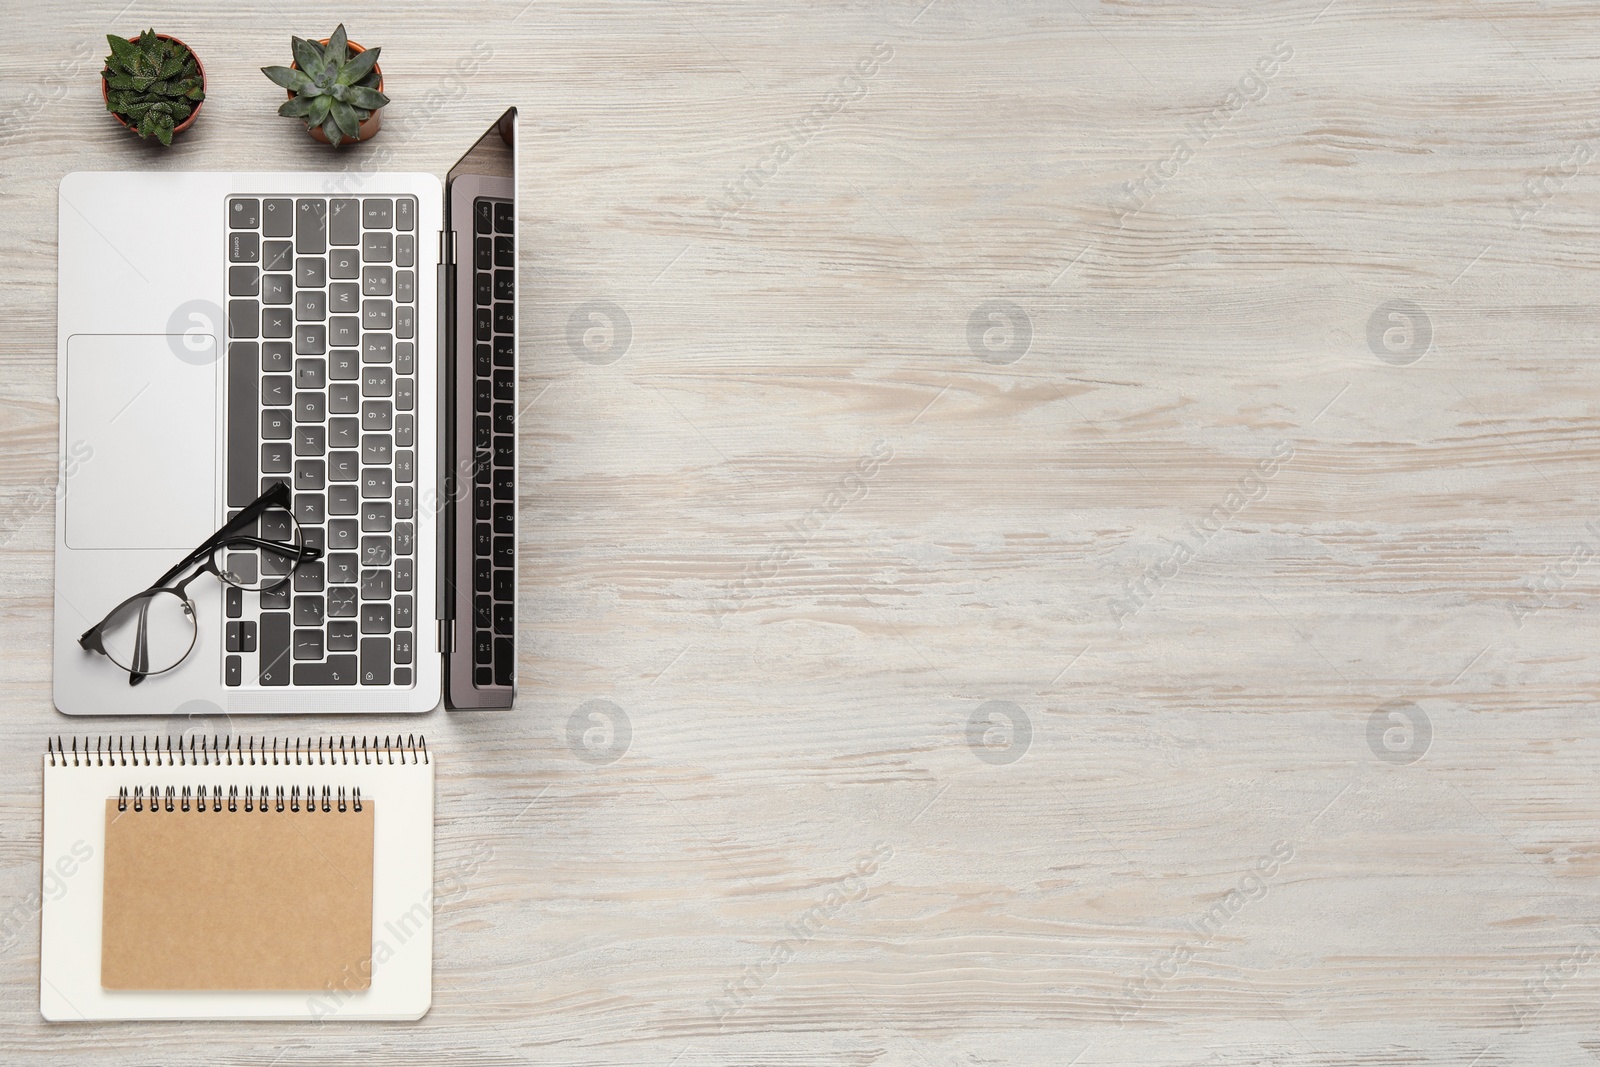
(1199,846)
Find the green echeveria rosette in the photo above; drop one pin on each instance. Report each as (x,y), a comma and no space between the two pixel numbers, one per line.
(332,89)
(154,84)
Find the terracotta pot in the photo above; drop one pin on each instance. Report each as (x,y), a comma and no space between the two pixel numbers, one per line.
(369,127)
(105,90)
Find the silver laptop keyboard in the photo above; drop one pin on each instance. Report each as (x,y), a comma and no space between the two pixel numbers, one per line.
(322,327)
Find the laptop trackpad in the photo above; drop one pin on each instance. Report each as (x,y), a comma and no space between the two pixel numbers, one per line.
(141,441)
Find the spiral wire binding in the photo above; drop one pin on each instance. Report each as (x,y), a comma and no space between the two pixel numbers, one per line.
(272,798)
(220,751)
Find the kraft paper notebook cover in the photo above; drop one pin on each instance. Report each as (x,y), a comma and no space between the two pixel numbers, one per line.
(272,899)
(246,879)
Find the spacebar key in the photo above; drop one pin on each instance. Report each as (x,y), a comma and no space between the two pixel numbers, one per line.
(244,417)
(338,670)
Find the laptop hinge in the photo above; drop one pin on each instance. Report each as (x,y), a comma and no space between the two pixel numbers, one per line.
(446,639)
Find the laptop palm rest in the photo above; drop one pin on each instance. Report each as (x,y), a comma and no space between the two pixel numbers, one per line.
(140,464)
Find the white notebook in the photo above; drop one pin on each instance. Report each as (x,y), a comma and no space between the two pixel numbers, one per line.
(246,878)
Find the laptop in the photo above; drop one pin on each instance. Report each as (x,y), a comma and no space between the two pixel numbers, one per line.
(349,335)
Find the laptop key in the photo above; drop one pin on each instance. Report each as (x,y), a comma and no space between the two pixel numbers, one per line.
(308,644)
(310,474)
(376,448)
(404,465)
(377,247)
(483,648)
(277,256)
(244,281)
(404,431)
(310,305)
(377,550)
(274,656)
(277,218)
(402,647)
(377,381)
(375,661)
(344,398)
(335,670)
(342,636)
(377,314)
(405,357)
(310,440)
(342,602)
(503,589)
(503,217)
(235,600)
(277,357)
(311,226)
(243,403)
(375,585)
(344,222)
(275,426)
(405,213)
(344,499)
(308,610)
(503,618)
(310,509)
(244,319)
(402,502)
(344,466)
(344,263)
(310,373)
(310,406)
(377,213)
(344,432)
(308,577)
(277,457)
(233,671)
(377,415)
(277,289)
(377,281)
(343,365)
(277,322)
(344,568)
(402,613)
(402,575)
(244,214)
(374,618)
(244,247)
(310,272)
(504,664)
(504,518)
(344,298)
(483,612)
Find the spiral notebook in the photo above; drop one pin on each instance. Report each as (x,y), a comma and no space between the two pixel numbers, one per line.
(244,878)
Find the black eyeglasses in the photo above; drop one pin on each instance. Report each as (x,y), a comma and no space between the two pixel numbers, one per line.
(153,631)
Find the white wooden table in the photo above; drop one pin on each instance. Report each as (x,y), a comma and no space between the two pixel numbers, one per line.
(1079,514)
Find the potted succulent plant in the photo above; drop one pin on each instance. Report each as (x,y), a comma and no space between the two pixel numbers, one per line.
(153,84)
(335,86)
